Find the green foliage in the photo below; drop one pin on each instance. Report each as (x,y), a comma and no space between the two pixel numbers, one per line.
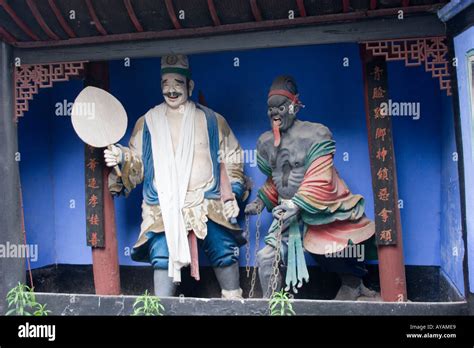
(21,301)
(280,304)
(41,310)
(148,305)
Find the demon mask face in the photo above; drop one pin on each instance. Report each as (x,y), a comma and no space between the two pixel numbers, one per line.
(283,104)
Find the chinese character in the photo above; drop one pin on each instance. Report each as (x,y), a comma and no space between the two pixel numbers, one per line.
(386,235)
(381,154)
(92,164)
(378,93)
(94,219)
(382,174)
(93,201)
(93,239)
(384,214)
(383,194)
(380,133)
(377,73)
(92,183)
(378,112)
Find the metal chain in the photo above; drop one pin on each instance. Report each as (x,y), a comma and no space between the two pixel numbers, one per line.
(247,246)
(257,244)
(276,262)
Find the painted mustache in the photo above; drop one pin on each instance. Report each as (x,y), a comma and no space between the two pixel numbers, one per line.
(172,94)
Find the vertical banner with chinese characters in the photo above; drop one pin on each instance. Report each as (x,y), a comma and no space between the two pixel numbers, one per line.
(101,229)
(94,197)
(388,235)
(382,161)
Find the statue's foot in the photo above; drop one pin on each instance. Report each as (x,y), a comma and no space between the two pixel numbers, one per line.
(365,291)
(232,294)
(228,278)
(352,289)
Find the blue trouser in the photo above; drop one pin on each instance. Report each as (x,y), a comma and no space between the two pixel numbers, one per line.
(344,265)
(219,246)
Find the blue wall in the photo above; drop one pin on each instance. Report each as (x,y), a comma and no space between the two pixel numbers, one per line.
(463,44)
(52,176)
(417,153)
(37,177)
(333,95)
(69,195)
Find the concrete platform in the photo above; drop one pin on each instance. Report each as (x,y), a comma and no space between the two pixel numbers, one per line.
(69,290)
(85,304)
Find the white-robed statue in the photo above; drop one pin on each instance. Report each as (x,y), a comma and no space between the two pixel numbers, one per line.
(184,154)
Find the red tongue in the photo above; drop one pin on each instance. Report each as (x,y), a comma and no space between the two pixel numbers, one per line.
(276,132)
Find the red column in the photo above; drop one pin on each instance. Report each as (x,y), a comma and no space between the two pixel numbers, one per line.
(384,180)
(105,263)
(105,260)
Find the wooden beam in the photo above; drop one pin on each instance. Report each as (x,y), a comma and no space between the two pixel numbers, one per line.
(213,12)
(172,14)
(356,16)
(461,22)
(12,269)
(256,10)
(388,234)
(346,5)
(60,18)
(373,4)
(95,19)
(105,259)
(26,29)
(375,29)
(301,7)
(132,15)
(6,36)
(39,18)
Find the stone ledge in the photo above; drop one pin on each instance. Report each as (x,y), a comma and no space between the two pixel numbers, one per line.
(84,304)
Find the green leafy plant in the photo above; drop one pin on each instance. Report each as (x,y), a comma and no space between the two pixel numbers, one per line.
(280,304)
(21,301)
(41,310)
(148,305)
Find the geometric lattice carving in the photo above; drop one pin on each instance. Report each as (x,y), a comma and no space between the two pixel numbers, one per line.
(30,78)
(431,52)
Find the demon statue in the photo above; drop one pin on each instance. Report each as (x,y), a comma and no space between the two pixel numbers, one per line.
(312,207)
(178,150)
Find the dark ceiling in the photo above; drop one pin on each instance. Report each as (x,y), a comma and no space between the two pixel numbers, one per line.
(38,23)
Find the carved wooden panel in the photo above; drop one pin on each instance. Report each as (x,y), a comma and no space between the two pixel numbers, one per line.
(29,79)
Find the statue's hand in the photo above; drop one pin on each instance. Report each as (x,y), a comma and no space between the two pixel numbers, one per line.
(113,156)
(284,212)
(231,209)
(255,207)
